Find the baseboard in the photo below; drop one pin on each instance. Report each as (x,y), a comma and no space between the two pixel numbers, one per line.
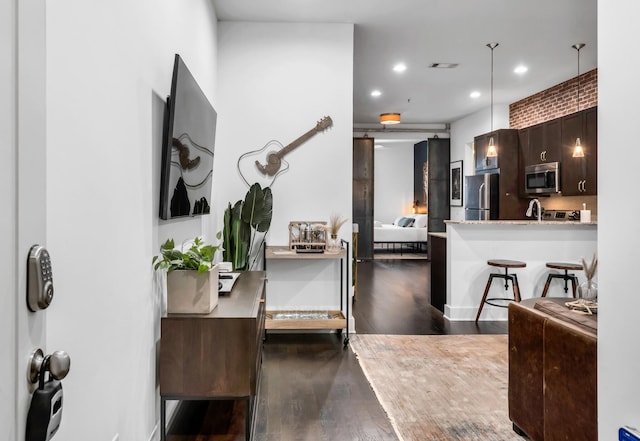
(155,435)
(468,313)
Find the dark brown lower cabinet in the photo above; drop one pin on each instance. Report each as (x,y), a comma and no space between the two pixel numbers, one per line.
(438,255)
(216,356)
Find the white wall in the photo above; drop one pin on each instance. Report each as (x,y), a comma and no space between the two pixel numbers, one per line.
(276,82)
(619,237)
(393,181)
(462,133)
(8,227)
(109,72)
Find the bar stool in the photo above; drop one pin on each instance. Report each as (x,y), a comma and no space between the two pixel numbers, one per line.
(566,276)
(506,264)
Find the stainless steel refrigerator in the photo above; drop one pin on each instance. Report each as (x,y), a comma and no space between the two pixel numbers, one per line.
(481,196)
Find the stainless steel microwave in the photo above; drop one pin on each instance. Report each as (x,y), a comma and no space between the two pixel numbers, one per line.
(542,178)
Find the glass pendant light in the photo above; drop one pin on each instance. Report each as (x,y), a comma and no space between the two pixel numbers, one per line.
(578,152)
(492,152)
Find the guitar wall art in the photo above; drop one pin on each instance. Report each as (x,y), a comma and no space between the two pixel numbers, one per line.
(266,164)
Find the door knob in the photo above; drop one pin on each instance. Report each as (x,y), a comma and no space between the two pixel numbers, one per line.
(57,364)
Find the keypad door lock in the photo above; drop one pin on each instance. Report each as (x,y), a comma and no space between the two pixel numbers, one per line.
(45,411)
(39,279)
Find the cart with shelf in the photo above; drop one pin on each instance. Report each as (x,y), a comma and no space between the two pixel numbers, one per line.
(297,319)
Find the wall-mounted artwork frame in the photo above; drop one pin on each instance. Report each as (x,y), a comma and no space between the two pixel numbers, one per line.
(420,177)
(455,184)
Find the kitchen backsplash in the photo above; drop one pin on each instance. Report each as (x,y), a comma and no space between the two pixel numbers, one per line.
(570,203)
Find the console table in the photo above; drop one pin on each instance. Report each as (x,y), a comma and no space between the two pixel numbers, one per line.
(216,356)
(312,319)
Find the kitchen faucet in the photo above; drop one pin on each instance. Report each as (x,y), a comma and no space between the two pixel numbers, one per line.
(530,209)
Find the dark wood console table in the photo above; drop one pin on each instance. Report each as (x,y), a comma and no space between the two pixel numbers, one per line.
(216,356)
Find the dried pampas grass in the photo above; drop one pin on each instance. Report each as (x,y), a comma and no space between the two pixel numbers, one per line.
(590,270)
(335,222)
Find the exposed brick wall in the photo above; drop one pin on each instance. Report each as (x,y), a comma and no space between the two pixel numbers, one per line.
(555,102)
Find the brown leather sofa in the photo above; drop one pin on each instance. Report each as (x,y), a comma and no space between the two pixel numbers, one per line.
(552,371)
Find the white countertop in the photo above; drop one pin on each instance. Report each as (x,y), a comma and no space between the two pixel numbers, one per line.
(519,222)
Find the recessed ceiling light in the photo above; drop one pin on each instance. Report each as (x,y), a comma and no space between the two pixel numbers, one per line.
(376,93)
(521,69)
(400,67)
(474,94)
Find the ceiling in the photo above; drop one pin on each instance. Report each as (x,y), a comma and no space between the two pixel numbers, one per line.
(538,34)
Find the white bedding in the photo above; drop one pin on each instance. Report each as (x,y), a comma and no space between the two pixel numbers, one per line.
(394,233)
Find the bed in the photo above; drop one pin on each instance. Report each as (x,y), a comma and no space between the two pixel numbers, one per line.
(406,231)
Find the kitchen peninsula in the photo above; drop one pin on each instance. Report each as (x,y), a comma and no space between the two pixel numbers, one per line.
(471,243)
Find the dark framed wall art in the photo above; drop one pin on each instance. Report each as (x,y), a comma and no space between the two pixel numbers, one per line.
(420,177)
(455,181)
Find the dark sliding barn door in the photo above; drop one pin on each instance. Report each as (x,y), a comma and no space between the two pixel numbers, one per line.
(363,166)
(438,191)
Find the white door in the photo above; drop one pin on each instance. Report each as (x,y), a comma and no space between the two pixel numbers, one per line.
(23,199)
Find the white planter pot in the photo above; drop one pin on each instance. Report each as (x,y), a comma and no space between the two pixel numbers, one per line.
(191,293)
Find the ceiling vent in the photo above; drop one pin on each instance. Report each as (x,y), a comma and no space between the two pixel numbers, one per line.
(443,65)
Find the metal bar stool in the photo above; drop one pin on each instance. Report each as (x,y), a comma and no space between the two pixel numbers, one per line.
(506,264)
(566,276)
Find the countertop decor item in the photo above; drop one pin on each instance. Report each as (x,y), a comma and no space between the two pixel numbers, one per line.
(192,277)
(333,227)
(588,290)
(307,236)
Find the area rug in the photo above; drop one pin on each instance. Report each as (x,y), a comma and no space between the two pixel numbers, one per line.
(440,387)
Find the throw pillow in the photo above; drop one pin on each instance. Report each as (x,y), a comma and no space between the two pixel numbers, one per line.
(420,220)
(405,222)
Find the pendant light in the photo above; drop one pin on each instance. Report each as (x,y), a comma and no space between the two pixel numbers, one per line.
(577,151)
(492,152)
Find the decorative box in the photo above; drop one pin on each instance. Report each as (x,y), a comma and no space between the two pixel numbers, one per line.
(307,235)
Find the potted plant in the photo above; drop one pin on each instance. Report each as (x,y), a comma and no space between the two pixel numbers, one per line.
(192,277)
(246,224)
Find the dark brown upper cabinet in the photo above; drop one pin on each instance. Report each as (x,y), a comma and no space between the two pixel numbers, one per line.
(545,143)
(507,164)
(506,142)
(579,176)
(481,144)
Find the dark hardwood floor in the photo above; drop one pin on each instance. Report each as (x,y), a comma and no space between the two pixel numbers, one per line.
(394,298)
(312,387)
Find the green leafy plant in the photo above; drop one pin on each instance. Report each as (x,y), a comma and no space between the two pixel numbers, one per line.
(198,257)
(245,223)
